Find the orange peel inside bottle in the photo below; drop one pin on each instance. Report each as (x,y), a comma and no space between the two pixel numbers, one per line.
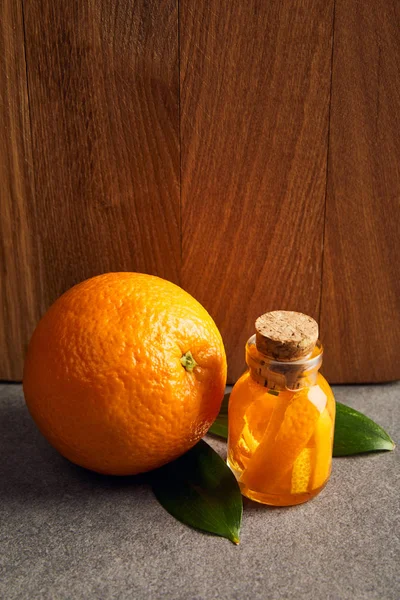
(281,413)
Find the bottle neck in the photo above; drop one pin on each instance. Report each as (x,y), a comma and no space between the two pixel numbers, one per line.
(280,375)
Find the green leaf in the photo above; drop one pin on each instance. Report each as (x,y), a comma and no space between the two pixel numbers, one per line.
(355,433)
(220,425)
(200,490)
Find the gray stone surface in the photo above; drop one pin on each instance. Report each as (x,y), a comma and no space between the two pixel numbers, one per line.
(67,533)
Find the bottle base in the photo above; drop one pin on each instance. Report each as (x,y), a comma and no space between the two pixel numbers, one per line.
(282,499)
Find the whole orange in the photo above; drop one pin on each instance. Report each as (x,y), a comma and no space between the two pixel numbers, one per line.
(124,373)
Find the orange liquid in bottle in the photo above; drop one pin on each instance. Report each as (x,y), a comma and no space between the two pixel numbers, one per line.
(280,440)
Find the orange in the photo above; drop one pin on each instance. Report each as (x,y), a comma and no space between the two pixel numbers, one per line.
(124,373)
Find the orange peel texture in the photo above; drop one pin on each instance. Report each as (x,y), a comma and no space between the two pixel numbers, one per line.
(103,377)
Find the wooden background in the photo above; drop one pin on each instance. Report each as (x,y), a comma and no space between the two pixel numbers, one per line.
(249,151)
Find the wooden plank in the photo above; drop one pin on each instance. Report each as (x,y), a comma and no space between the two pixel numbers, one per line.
(19,281)
(104,100)
(361,275)
(255,89)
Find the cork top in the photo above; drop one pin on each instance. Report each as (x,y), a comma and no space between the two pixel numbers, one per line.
(286,335)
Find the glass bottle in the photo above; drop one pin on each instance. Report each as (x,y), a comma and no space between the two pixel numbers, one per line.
(281,413)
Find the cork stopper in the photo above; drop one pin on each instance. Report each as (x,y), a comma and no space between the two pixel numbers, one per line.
(286,335)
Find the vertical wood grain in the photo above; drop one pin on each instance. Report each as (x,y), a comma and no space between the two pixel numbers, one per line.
(255,89)
(19,277)
(104,99)
(360,314)
(100,84)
